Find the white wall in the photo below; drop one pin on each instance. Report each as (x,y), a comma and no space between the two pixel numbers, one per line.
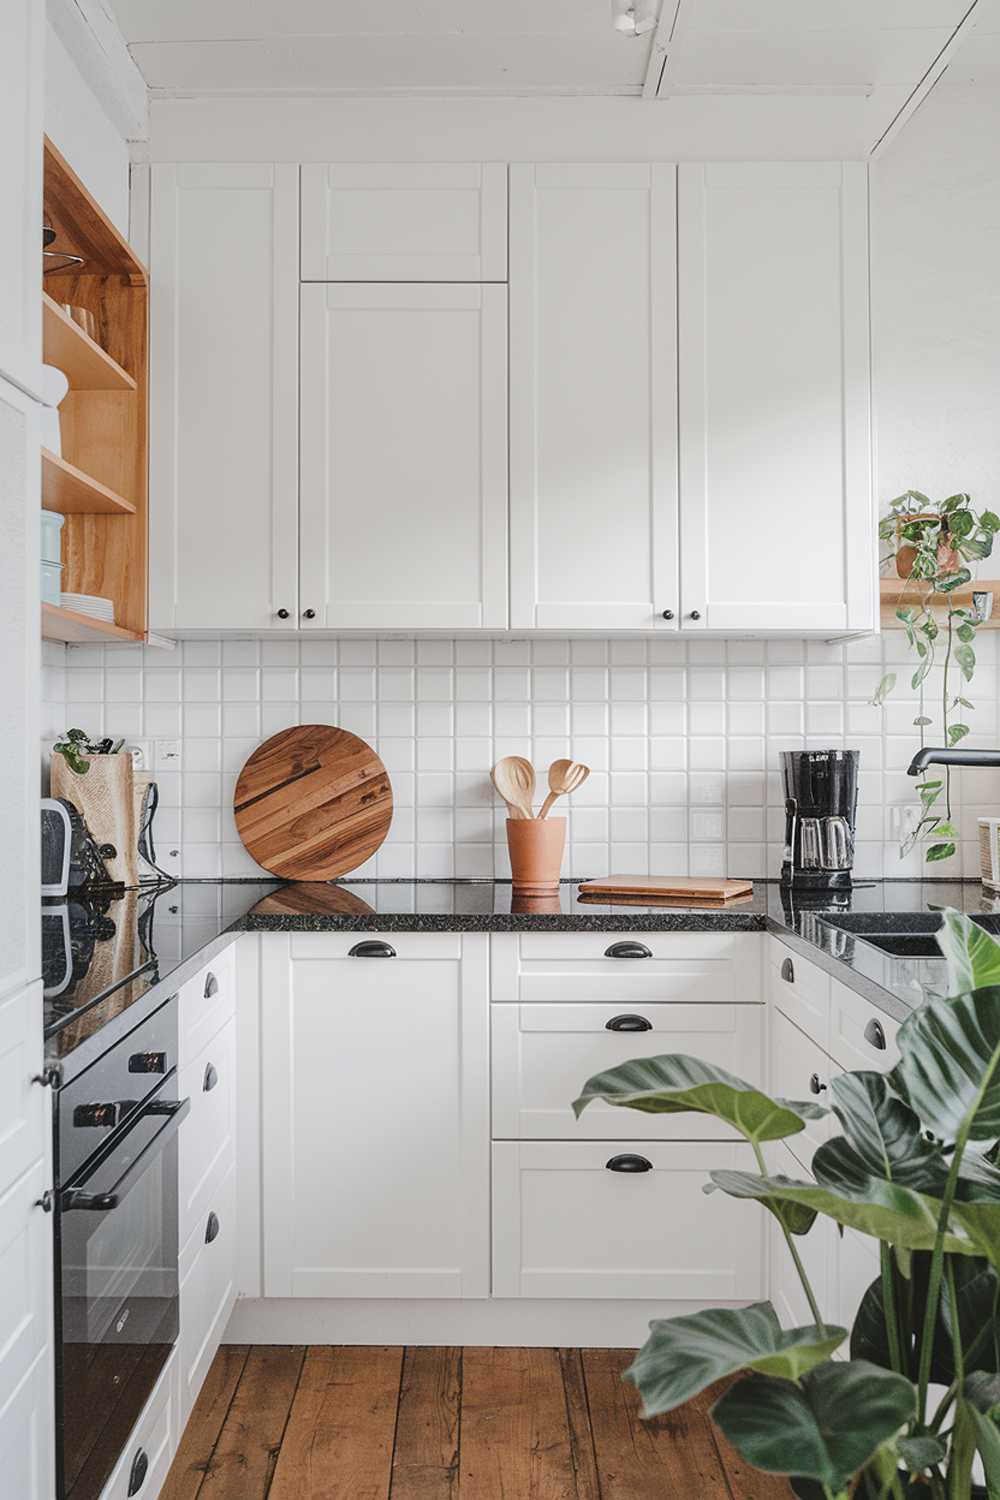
(77,124)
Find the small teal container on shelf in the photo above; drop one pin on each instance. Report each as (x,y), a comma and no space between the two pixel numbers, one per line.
(51,549)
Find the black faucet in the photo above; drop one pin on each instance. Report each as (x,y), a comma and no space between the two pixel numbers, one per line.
(938,755)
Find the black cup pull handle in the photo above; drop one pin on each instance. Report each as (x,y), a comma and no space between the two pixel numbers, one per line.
(137,1473)
(374,948)
(211,985)
(628,1162)
(788,971)
(874,1034)
(211,1078)
(628,949)
(212,1228)
(628,1023)
(815,1084)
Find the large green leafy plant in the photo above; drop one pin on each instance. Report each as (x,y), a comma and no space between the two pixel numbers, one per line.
(914,1169)
(939,542)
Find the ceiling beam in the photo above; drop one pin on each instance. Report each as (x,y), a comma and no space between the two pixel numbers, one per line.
(89,32)
(662,36)
(935,72)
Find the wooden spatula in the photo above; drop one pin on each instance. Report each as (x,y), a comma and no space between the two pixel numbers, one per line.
(564,777)
(514,779)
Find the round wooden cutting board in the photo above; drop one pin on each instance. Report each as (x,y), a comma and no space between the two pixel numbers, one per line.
(312,803)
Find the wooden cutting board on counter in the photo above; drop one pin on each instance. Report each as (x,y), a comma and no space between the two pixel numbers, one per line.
(666,888)
(312,803)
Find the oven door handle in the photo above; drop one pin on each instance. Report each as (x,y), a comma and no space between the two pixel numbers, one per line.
(175,1110)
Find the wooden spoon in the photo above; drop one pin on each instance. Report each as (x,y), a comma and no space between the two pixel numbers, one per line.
(514,779)
(564,776)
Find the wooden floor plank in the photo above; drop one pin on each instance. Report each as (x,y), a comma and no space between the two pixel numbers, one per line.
(243,1462)
(194,1453)
(515,1442)
(425,1461)
(338,1444)
(636,1460)
(578,1418)
(745,1482)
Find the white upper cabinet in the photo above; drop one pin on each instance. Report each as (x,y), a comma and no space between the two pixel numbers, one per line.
(593,441)
(22,33)
(224,397)
(376,221)
(404,457)
(777,517)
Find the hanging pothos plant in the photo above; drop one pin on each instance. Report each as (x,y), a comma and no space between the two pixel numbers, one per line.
(931,546)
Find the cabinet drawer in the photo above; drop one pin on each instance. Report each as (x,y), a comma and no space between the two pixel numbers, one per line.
(155,1437)
(801,989)
(406,221)
(565,1225)
(798,1069)
(207,1136)
(208,1288)
(427,945)
(627,969)
(544,1054)
(861,1036)
(205,1004)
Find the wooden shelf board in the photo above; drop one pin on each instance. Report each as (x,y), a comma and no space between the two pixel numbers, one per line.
(894,592)
(71,492)
(81,359)
(82,227)
(60,624)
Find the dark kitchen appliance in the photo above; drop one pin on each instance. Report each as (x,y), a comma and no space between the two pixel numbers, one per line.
(821,803)
(116,1261)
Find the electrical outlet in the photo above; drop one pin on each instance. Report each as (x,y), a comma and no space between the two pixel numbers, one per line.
(168,755)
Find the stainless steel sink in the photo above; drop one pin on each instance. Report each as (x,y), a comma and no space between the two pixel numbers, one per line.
(902,935)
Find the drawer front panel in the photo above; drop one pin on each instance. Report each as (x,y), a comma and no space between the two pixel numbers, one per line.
(207,1136)
(206,1003)
(564,1225)
(426,945)
(860,1035)
(796,1062)
(680,968)
(208,1289)
(801,989)
(155,1434)
(543,1055)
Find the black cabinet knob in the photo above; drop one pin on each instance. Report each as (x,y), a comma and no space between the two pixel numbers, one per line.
(668,614)
(212,1228)
(627,949)
(373,948)
(628,1023)
(137,1473)
(627,1162)
(211,1078)
(282,614)
(874,1034)
(788,971)
(815,1086)
(211,985)
(308,614)
(695,614)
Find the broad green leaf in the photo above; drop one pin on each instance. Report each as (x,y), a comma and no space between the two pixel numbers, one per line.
(949,1051)
(883,690)
(949,581)
(989,521)
(976,1287)
(885,1133)
(966,658)
(981,1404)
(957,732)
(677,1084)
(966,632)
(940,851)
(919,1453)
(973,955)
(684,1355)
(921,720)
(825,1428)
(955,502)
(884,1210)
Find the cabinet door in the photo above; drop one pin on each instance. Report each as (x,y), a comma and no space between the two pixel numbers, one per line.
(224,397)
(404,221)
(375,1118)
(22,32)
(777,512)
(404,457)
(817,1251)
(800,1070)
(593,397)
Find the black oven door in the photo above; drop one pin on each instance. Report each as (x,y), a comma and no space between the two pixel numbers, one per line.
(117,1306)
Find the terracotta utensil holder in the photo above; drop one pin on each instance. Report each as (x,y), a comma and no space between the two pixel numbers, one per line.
(536,849)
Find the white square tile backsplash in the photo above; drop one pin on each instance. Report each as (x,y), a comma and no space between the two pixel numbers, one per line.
(683,739)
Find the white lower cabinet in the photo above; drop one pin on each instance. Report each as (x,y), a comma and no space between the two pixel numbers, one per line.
(208,1285)
(800,1070)
(817,1251)
(612,1219)
(144,1464)
(375,1115)
(543,1055)
(208,1133)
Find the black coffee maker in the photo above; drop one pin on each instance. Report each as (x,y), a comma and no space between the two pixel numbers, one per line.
(821,804)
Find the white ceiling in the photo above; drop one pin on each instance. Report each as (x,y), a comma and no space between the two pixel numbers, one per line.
(547,47)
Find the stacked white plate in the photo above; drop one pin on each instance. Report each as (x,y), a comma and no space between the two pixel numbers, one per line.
(90,604)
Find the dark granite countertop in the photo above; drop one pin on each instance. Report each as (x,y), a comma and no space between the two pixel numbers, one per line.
(105,951)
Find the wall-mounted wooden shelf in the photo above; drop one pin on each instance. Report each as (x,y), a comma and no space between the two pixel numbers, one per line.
(100,483)
(73,493)
(68,625)
(897,592)
(81,359)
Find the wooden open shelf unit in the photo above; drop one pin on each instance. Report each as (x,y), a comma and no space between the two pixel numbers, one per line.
(100,482)
(894,592)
